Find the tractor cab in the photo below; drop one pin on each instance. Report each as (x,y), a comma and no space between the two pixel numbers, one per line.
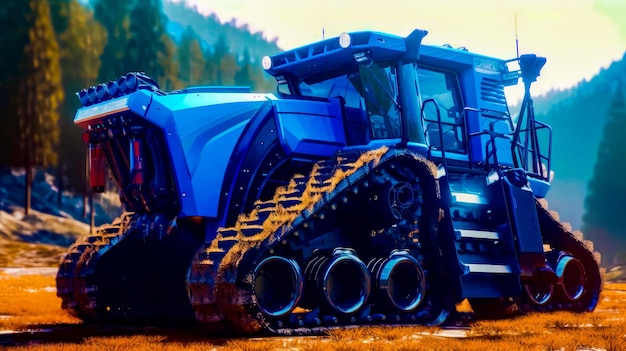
(448,104)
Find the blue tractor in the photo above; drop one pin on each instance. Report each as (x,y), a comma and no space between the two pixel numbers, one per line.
(384,182)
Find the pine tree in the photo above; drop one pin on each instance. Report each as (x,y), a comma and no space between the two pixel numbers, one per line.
(147,27)
(603,222)
(13,39)
(209,71)
(82,42)
(244,76)
(197,63)
(115,18)
(60,14)
(191,58)
(225,63)
(169,79)
(34,90)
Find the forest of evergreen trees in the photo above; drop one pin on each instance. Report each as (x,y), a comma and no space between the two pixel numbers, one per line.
(589,157)
(53,48)
(604,204)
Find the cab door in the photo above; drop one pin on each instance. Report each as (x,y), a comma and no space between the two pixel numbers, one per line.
(442,112)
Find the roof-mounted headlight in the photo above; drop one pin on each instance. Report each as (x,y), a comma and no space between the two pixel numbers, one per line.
(266,62)
(345,40)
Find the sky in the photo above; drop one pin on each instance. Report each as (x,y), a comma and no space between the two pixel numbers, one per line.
(578,37)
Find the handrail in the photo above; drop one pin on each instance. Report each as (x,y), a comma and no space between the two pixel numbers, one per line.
(439,125)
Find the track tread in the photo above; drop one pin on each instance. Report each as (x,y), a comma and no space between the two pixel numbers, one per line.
(560,236)
(74,279)
(214,283)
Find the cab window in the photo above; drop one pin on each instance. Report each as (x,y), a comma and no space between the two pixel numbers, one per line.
(369,91)
(440,98)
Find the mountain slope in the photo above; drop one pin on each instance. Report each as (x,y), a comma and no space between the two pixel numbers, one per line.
(209,28)
(577,117)
(41,237)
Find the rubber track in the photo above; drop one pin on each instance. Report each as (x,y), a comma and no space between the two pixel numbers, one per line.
(216,296)
(75,278)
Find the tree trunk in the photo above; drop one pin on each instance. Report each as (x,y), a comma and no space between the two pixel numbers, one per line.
(29,186)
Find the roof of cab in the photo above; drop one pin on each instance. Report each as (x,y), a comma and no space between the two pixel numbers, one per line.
(328,55)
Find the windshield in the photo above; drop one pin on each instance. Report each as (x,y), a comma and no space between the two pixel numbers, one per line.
(372,89)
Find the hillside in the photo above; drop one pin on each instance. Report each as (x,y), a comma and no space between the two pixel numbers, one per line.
(577,117)
(210,28)
(40,238)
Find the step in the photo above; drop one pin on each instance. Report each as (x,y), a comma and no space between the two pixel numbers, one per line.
(477,234)
(489,268)
(468,198)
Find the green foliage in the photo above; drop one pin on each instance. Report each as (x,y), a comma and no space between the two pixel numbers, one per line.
(13,40)
(244,76)
(82,42)
(169,79)
(225,62)
(603,222)
(209,28)
(60,11)
(114,17)
(577,117)
(33,89)
(147,28)
(191,59)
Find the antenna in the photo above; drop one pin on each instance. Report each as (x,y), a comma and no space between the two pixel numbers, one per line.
(323,33)
(516,39)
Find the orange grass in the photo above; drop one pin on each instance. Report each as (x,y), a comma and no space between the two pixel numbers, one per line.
(30,302)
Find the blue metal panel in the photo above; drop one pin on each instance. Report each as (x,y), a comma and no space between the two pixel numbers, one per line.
(312,128)
(202,130)
(539,187)
(201,101)
(483,93)
(445,58)
(207,180)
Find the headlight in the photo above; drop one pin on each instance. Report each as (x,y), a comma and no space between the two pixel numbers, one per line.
(266,62)
(344,40)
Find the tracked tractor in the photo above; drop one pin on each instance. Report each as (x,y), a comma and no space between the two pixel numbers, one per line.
(385,181)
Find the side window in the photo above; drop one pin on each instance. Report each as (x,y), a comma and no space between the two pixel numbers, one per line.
(380,93)
(439,92)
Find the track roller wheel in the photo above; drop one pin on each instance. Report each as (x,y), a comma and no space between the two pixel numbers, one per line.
(539,291)
(571,278)
(278,285)
(399,280)
(342,281)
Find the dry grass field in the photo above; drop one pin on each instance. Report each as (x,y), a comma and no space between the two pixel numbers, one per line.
(29,304)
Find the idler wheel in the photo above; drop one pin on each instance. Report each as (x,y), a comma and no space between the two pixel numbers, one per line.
(571,278)
(278,286)
(400,280)
(401,197)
